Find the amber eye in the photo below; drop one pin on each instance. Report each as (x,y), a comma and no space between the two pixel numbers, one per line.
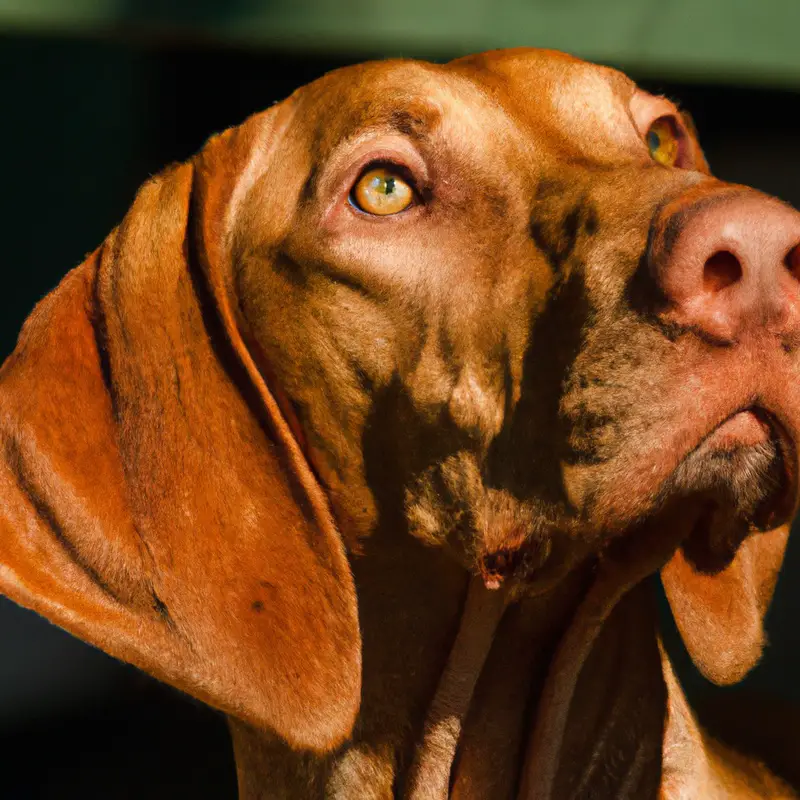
(382,192)
(663,141)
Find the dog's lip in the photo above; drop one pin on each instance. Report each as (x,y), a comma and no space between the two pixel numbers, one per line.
(745,428)
(786,507)
(749,426)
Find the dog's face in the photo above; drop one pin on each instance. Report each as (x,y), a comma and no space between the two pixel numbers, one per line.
(462,299)
(499,305)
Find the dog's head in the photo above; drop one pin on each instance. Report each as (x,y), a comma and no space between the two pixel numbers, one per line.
(518,317)
(499,305)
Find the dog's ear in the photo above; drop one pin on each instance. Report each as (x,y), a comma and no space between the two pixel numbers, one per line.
(721,616)
(153,500)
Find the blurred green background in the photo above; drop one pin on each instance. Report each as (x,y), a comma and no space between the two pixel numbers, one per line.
(99,94)
(752,41)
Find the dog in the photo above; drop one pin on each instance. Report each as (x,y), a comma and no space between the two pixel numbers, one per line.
(374,424)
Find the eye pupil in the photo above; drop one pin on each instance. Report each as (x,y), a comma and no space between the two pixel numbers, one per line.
(653,140)
(389,185)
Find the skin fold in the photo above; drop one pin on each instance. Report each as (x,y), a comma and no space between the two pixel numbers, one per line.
(392,491)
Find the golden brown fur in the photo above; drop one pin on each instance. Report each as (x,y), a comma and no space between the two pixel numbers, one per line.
(273,451)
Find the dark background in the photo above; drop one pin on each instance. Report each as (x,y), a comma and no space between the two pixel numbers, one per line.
(84,122)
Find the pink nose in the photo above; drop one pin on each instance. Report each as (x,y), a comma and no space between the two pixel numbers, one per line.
(728,264)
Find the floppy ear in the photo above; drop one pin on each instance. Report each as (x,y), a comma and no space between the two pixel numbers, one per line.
(721,616)
(152,498)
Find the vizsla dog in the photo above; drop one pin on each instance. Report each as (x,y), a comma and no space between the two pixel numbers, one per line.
(374,424)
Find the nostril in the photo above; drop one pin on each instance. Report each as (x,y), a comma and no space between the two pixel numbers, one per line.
(793,262)
(722,270)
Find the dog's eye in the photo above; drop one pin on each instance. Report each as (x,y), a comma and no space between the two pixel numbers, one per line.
(664,141)
(381,191)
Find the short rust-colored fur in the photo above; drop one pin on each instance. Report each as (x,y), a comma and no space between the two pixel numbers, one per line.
(272,451)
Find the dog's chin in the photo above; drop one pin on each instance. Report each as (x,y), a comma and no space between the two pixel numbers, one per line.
(738,481)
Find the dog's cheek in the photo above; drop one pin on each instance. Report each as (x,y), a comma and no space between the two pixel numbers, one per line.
(324,352)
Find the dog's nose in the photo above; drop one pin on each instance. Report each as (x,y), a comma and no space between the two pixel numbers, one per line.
(728,263)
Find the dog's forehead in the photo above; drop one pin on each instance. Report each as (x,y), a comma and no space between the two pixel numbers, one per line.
(584,104)
(546,73)
(538,92)
(403,95)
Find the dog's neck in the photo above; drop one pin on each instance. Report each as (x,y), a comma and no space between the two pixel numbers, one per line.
(614,727)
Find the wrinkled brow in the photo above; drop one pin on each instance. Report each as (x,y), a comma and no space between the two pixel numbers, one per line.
(413,124)
(416,120)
